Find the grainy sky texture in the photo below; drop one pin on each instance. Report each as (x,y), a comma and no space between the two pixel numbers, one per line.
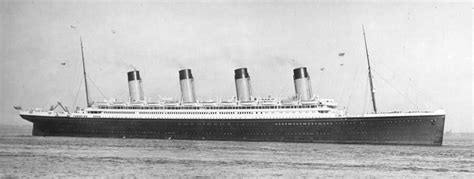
(421,52)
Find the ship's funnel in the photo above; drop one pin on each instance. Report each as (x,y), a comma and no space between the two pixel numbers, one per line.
(186,82)
(302,84)
(135,86)
(242,84)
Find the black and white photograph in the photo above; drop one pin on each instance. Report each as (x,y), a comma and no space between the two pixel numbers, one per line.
(236,89)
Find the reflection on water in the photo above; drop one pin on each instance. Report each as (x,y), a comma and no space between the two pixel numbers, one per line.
(22,155)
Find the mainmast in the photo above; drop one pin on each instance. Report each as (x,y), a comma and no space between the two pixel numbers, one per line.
(372,91)
(85,76)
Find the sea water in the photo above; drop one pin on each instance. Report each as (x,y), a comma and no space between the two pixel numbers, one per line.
(23,155)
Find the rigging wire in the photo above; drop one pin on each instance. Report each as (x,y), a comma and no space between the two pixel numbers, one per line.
(76,77)
(427,104)
(398,91)
(344,86)
(355,84)
(93,83)
(365,95)
(424,99)
(77,93)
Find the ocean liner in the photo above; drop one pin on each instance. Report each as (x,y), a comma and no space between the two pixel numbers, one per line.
(304,118)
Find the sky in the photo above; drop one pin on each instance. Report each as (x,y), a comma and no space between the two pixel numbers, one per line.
(421,53)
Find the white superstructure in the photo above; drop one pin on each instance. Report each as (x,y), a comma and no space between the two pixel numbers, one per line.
(262,108)
(304,105)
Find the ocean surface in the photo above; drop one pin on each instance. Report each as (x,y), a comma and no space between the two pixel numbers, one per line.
(22,155)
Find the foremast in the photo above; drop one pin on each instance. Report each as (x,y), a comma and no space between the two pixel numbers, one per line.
(372,91)
(85,75)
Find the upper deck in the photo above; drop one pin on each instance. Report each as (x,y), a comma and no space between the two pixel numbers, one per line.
(259,109)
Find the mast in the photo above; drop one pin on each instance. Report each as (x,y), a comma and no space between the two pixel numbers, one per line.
(372,91)
(85,77)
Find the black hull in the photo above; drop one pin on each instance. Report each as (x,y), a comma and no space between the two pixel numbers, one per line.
(401,130)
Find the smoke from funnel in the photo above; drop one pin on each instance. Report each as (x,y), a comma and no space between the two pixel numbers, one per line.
(284,61)
(294,63)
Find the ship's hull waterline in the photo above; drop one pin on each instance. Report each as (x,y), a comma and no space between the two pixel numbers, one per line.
(399,130)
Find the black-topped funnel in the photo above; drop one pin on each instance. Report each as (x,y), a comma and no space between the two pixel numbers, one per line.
(186,83)
(242,84)
(302,84)
(135,86)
